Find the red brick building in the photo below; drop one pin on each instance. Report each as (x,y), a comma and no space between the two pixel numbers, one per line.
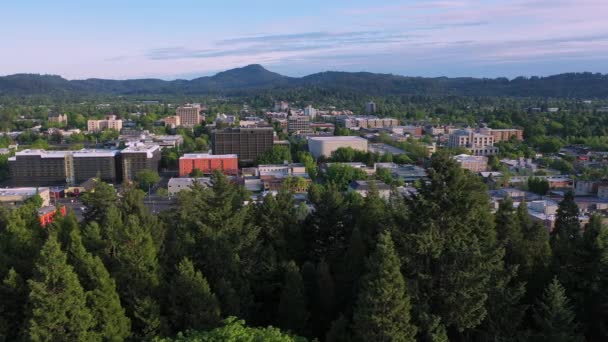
(46,215)
(208,163)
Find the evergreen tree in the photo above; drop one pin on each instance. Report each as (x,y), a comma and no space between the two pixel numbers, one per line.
(192,304)
(339,331)
(111,322)
(554,318)
(57,300)
(292,312)
(382,312)
(13,295)
(509,233)
(566,235)
(325,300)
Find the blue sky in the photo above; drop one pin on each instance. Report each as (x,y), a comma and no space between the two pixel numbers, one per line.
(191,38)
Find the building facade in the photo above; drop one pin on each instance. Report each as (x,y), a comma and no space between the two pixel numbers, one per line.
(298,124)
(472,163)
(247,143)
(58,118)
(16,196)
(325,146)
(478,144)
(189,116)
(138,158)
(503,134)
(110,122)
(208,163)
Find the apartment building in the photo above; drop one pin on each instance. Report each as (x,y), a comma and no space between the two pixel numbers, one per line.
(503,134)
(58,118)
(139,157)
(208,163)
(472,163)
(172,121)
(367,122)
(40,167)
(247,143)
(298,124)
(110,122)
(479,144)
(189,116)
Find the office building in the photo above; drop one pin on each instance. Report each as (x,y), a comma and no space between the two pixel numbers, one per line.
(367,122)
(208,163)
(325,146)
(17,196)
(478,144)
(137,158)
(370,107)
(39,167)
(281,106)
(247,143)
(472,163)
(172,121)
(110,122)
(189,116)
(310,111)
(298,124)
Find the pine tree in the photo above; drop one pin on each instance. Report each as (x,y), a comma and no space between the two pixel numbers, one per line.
(192,305)
(325,300)
(566,235)
(509,233)
(339,331)
(292,312)
(13,296)
(111,322)
(382,312)
(554,318)
(57,301)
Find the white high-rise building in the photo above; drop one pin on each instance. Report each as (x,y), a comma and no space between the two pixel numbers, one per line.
(310,111)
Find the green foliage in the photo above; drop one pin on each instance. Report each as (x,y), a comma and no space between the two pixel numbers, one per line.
(292,305)
(538,186)
(277,155)
(342,175)
(234,331)
(553,316)
(146,178)
(57,301)
(382,312)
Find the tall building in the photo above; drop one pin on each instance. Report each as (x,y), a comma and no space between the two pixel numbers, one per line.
(172,121)
(39,167)
(281,106)
(208,163)
(479,144)
(189,116)
(137,158)
(298,124)
(247,143)
(325,146)
(110,122)
(310,111)
(370,107)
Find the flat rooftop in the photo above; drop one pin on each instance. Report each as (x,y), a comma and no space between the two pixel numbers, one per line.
(141,148)
(29,191)
(207,156)
(337,138)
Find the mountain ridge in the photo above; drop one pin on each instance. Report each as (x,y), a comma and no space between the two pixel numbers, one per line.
(255,77)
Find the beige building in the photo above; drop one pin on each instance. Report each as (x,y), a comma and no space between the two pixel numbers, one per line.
(172,121)
(503,134)
(325,146)
(189,116)
(16,196)
(479,144)
(111,122)
(472,163)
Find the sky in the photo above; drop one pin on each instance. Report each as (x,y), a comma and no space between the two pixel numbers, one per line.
(168,39)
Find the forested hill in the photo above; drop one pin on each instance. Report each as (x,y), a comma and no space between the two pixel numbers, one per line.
(253,78)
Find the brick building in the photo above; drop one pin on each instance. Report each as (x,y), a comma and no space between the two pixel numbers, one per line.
(208,163)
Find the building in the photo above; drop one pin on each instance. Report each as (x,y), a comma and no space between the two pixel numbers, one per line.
(208,163)
(281,106)
(16,196)
(247,143)
(58,118)
(370,107)
(503,134)
(479,144)
(110,122)
(472,163)
(272,176)
(363,187)
(325,146)
(407,173)
(189,116)
(46,214)
(414,131)
(137,158)
(310,111)
(298,124)
(367,122)
(39,167)
(172,121)
(176,185)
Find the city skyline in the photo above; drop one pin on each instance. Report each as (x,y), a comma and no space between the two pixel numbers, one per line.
(188,39)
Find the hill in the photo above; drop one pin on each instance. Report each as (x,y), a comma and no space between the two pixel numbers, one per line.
(254,78)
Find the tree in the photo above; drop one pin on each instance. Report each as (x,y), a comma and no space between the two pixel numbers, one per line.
(98,201)
(57,300)
(196,173)
(382,312)
(147,178)
(278,154)
(566,240)
(538,186)
(192,305)
(292,312)
(111,322)
(13,295)
(341,175)
(553,316)
(235,330)
(509,232)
